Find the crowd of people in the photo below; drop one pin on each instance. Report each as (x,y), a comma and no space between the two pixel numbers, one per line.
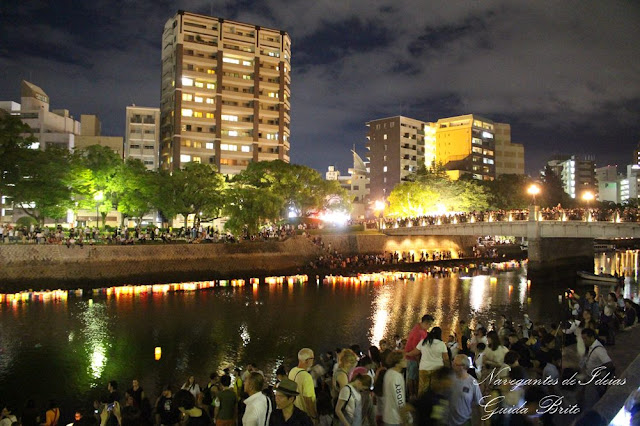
(627,214)
(495,374)
(82,236)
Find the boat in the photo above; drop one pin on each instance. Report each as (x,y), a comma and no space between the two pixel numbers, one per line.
(590,276)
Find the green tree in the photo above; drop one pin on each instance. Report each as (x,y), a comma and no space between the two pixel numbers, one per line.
(15,140)
(44,190)
(104,166)
(195,189)
(249,208)
(553,190)
(301,188)
(508,192)
(434,193)
(139,187)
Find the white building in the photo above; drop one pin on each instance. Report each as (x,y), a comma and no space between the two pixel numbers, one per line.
(142,135)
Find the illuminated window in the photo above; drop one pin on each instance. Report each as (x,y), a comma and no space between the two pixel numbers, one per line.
(273,94)
(384,169)
(209,115)
(229,117)
(185,158)
(246,148)
(211,86)
(187,81)
(231,61)
(199,99)
(211,71)
(228,147)
(199,84)
(384,136)
(197,114)
(187,112)
(210,100)
(233,133)
(187,97)
(247,63)
(209,145)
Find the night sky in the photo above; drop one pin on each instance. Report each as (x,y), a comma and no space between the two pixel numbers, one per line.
(565,74)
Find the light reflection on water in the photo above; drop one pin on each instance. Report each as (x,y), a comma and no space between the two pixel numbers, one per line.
(84,344)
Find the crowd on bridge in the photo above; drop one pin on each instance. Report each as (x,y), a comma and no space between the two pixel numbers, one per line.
(627,214)
(495,373)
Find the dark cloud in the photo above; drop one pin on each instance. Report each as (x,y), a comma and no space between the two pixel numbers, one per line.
(564,74)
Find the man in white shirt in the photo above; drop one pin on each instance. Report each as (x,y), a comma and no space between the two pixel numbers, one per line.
(596,356)
(259,407)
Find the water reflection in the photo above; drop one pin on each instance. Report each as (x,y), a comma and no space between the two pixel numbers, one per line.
(201,332)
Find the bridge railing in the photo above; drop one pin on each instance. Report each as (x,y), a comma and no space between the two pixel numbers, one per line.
(547,214)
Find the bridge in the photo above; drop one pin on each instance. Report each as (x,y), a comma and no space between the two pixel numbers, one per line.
(549,241)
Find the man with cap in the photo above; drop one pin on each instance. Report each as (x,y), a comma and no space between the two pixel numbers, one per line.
(287,413)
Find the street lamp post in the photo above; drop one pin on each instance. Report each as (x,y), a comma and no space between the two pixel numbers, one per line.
(98,197)
(587,197)
(533,190)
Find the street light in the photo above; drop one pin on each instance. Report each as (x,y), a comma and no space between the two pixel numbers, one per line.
(98,197)
(378,207)
(587,197)
(533,190)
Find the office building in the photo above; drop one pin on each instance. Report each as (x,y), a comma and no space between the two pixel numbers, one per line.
(225,93)
(396,149)
(509,156)
(466,145)
(576,173)
(91,134)
(608,182)
(142,135)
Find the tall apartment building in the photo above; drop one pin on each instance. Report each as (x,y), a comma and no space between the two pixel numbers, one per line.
(636,155)
(396,149)
(142,135)
(225,93)
(577,173)
(509,156)
(466,145)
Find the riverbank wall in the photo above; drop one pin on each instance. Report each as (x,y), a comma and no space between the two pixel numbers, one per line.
(39,267)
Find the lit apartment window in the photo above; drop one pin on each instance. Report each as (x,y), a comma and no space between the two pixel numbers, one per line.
(233,133)
(197,114)
(209,145)
(384,169)
(209,115)
(210,100)
(187,112)
(197,160)
(199,99)
(199,84)
(228,147)
(185,158)
(247,63)
(246,148)
(187,97)
(384,136)
(273,94)
(211,86)
(229,117)
(231,60)
(187,81)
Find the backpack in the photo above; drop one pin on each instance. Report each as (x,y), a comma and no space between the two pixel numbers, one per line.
(207,396)
(336,420)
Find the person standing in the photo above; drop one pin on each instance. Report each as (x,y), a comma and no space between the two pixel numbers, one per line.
(434,356)
(417,333)
(306,399)
(595,358)
(393,390)
(258,405)
(287,413)
(225,404)
(349,405)
(167,413)
(465,393)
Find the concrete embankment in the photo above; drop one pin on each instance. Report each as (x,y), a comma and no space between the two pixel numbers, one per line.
(39,267)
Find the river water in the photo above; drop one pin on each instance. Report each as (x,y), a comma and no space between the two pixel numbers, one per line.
(71,349)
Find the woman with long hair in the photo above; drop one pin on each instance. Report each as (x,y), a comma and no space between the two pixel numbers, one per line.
(434,355)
